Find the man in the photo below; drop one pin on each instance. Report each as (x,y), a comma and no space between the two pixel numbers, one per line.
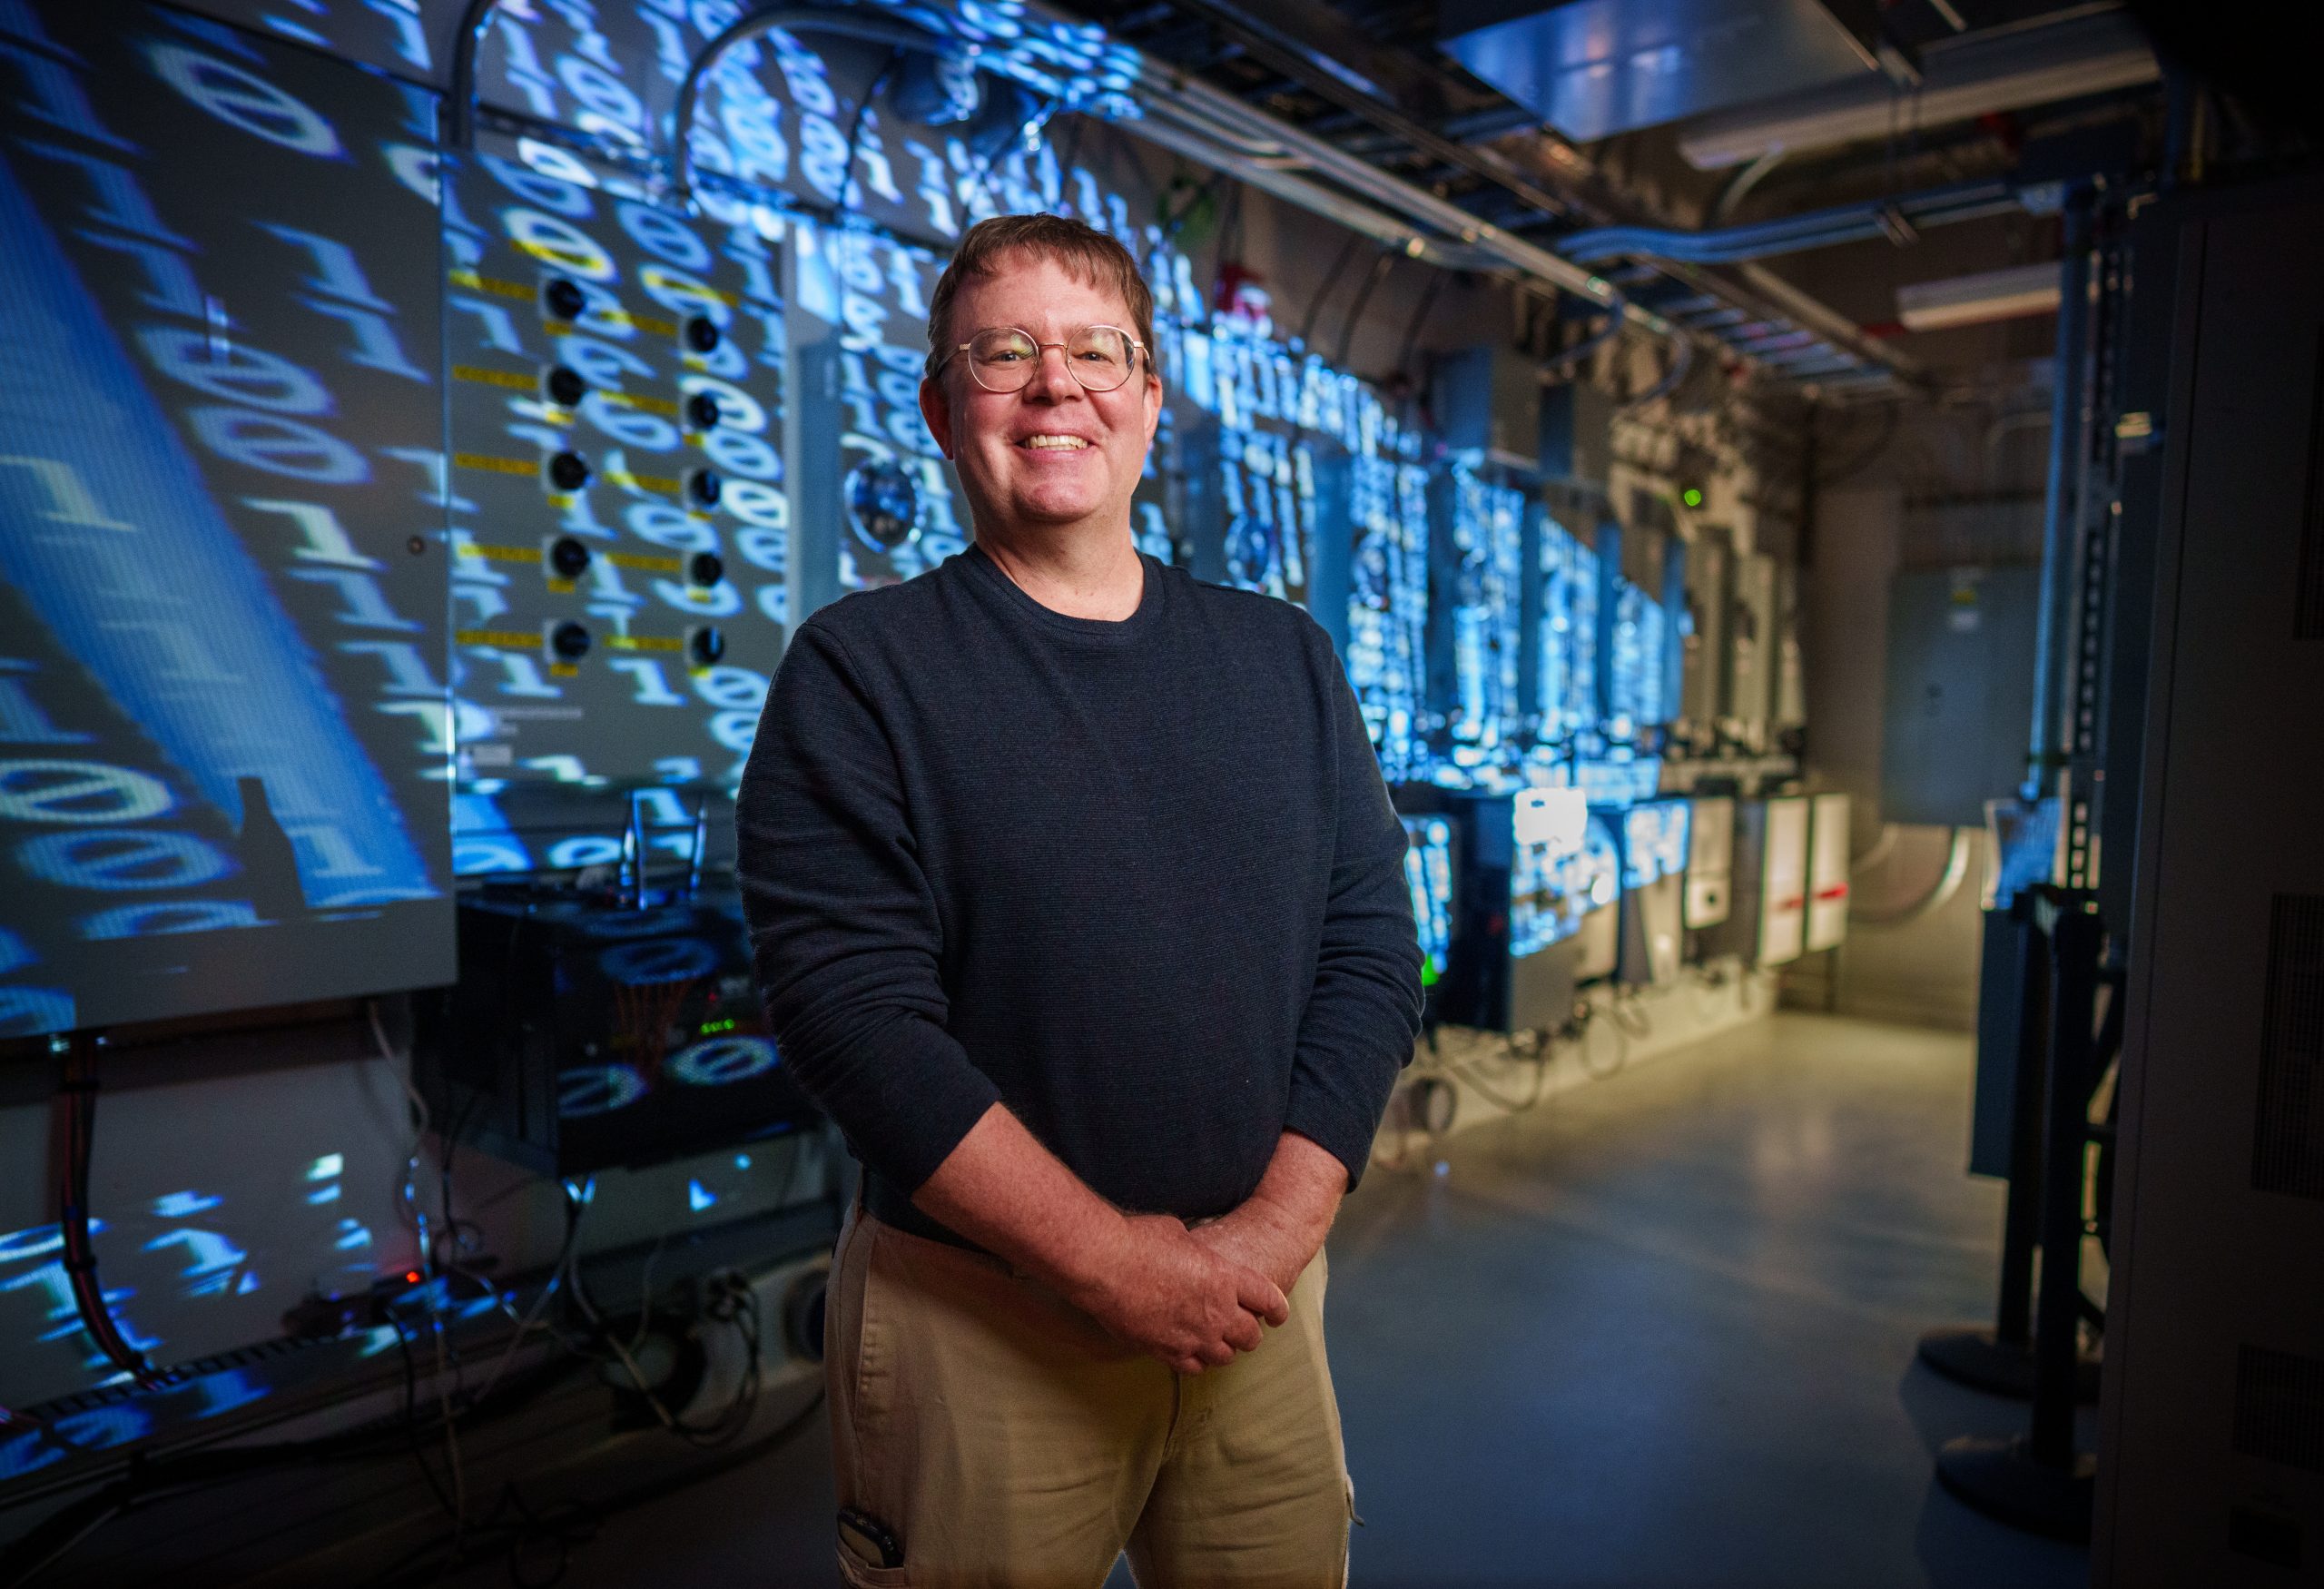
(1078,903)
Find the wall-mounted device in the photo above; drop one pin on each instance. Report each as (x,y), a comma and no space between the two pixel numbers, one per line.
(588,1033)
(1827,873)
(1654,838)
(1535,880)
(1767,924)
(1710,860)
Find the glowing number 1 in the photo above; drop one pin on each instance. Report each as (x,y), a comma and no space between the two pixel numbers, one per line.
(327,542)
(21,722)
(67,492)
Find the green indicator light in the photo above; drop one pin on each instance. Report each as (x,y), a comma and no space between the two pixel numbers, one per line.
(709,1028)
(1692,498)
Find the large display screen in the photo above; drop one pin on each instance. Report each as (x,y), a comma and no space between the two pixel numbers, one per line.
(619,521)
(224,730)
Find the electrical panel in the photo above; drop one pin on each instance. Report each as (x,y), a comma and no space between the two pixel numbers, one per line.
(1788,681)
(1428,872)
(1487,400)
(620,529)
(1767,924)
(1655,846)
(1827,873)
(1567,646)
(1959,691)
(1754,649)
(591,1032)
(1536,882)
(221,568)
(1703,643)
(1577,434)
(1710,860)
(1481,605)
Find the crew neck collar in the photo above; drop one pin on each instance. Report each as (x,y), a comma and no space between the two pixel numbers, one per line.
(1094,631)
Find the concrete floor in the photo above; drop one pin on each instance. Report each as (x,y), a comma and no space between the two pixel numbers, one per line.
(1658,1331)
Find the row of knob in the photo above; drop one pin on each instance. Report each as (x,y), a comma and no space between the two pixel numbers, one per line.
(570,641)
(568,558)
(564,300)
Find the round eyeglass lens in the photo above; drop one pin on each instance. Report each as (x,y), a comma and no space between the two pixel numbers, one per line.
(1002,358)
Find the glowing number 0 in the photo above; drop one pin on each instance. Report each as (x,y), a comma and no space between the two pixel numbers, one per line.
(243,100)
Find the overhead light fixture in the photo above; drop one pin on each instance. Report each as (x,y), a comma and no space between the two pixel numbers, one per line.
(1991,295)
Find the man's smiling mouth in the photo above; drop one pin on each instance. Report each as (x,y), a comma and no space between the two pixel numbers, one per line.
(1054,443)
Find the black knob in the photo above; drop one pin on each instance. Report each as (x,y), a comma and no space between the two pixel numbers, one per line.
(569,558)
(702,335)
(702,487)
(563,298)
(702,411)
(705,645)
(705,570)
(568,471)
(565,387)
(569,641)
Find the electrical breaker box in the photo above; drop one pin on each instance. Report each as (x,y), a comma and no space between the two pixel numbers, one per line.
(1702,637)
(1753,647)
(1828,871)
(1960,695)
(1768,923)
(1488,399)
(1710,862)
(1577,440)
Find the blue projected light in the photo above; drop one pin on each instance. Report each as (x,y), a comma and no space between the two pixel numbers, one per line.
(1428,872)
(1654,841)
(224,703)
(1486,607)
(1552,872)
(1567,677)
(1636,663)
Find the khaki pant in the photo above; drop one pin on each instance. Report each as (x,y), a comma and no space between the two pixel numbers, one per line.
(1009,1443)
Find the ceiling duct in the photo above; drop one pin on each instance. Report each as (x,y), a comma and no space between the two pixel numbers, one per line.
(1592,68)
(1973,75)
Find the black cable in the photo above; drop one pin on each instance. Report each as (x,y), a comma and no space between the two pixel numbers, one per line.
(1381,265)
(847,172)
(80,1258)
(1419,318)
(411,1423)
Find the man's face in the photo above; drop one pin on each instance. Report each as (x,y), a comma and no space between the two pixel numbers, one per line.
(1053,454)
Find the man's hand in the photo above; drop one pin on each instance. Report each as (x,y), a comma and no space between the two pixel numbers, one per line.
(1142,1277)
(1159,1289)
(1281,1225)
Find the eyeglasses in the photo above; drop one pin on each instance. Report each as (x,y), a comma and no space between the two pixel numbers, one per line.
(1003,358)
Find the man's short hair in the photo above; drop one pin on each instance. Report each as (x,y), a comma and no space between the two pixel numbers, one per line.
(1084,252)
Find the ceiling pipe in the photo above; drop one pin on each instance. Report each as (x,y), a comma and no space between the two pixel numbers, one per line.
(1793,233)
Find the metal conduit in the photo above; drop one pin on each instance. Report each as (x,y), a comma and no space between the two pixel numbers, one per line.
(1792,234)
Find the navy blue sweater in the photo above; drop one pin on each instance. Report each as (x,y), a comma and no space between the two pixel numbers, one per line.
(1139,881)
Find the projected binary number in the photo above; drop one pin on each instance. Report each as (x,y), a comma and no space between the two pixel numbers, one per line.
(619,521)
(222,707)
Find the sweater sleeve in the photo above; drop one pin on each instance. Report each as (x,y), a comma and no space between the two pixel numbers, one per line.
(1363,1011)
(844,933)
